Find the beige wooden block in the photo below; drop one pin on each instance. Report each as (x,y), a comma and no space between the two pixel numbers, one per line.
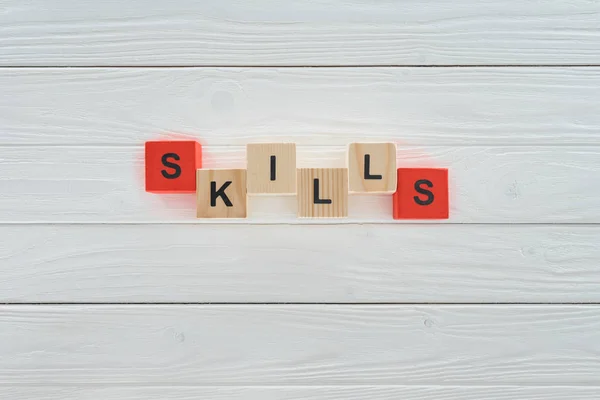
(221,193)
(271,168)
(372,167)
(322,192)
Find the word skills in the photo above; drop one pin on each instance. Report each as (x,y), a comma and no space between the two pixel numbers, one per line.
(176,167)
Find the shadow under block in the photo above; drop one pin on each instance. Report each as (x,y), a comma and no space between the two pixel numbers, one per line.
(221,193)
(322,192)
(271,168)
(171,165)
(372,167)
(422,193)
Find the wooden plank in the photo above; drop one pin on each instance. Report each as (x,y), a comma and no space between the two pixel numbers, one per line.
(304,263)
(256,345)
(302,393)
(324,32)
(310,106)
(512,184)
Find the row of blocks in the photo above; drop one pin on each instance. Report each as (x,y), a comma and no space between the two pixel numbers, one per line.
(176,167)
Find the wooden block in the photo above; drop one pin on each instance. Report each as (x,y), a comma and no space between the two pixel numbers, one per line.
(171,166)
(271,168)
(422,194)
(221,193)
(372,167)
(322,192)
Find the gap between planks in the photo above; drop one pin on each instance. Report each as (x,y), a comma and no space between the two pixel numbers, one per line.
(182,66)
(303,222)
(293,304)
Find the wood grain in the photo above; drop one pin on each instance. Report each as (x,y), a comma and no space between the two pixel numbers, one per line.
(372,167)
(105,184)
(271,168)
(324,32)
(512,114)
(302,263)
(396,392)
(256,345)
(309,106)
(322,193)
(228,193)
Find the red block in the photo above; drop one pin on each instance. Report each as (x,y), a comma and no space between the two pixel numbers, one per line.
(421,193)
(171,166)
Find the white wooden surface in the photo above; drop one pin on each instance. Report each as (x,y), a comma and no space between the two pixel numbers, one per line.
(314,32)
(329,392)
(313,106)
(265,345)
(300,263)
(503,93)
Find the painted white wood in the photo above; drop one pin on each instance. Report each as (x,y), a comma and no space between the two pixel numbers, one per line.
(315,32)
(88,392)
(512,184)
(255,345)
(312,106)
(522,145)
(304,264)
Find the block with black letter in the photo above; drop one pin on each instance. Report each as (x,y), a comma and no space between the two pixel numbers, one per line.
(322,192)
(372,167)
(171,166)
(221,193)
(422,193)
(271,168)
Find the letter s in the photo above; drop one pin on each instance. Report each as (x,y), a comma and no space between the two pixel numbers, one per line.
(169,164)
(426,192)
